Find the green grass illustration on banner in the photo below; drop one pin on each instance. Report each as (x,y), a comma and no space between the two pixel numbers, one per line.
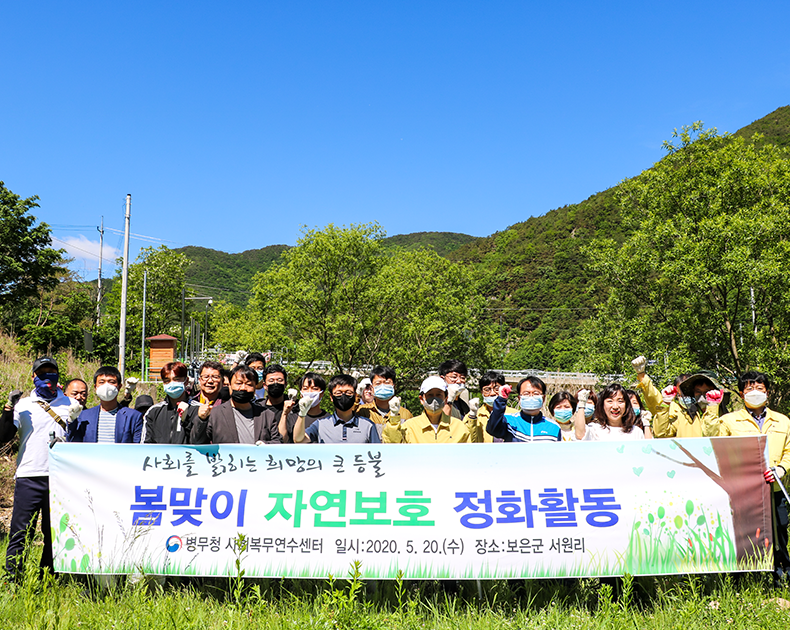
(690,542)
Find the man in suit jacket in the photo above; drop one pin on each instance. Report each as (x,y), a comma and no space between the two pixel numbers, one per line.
(241,420)
(108,422)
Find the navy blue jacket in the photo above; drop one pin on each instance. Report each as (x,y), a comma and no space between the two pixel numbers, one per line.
(128,426)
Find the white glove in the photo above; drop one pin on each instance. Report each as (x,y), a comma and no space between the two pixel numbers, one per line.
(241,355)
(130,386)
(583,396)
(362,386)
(182,407)
(75,409)
(646,417)
(453,390)
(639,364)
(305,404)
(474,406)
(395,406)
(293,394)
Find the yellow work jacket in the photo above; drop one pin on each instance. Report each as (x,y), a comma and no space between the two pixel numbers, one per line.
(739,423)
(477,426)
(372,413)
(673,420)
(419,430)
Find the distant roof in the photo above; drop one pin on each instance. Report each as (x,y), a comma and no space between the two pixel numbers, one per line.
(161,338)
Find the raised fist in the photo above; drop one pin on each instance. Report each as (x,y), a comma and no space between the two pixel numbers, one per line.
(668,393)
(714,396)
(639,364)
(505,390)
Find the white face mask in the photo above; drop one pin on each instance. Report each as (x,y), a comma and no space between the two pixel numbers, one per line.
(107,392)
(755,399)
(314,396)
(433,404)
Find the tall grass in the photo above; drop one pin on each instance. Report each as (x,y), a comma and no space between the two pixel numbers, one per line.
(67,602)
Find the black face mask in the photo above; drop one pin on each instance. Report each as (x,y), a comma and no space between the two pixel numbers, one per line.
(275,390)
(224,393)
(344,402)
(242,396)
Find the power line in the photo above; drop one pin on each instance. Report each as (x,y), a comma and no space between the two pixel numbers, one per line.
(110,260)
(143,237)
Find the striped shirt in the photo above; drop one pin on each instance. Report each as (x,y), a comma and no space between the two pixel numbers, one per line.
(106,429)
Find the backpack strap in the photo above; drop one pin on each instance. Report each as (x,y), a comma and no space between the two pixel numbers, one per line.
(45,406)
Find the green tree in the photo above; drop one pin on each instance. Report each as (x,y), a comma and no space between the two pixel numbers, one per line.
(341,296)
(57,318)
(703,279)
(166,276)
(28,265)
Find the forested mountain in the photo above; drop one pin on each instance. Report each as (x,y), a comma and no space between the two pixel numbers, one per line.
(537,282)
(229,276)
(534,272)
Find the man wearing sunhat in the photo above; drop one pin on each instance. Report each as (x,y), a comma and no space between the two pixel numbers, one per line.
(45,411)
(430,427)
(680,410)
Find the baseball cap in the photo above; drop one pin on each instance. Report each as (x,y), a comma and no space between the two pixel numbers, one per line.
(143,403)
(42,361)
(433,382)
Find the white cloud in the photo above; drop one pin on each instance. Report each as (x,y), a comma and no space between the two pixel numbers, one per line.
(82,248)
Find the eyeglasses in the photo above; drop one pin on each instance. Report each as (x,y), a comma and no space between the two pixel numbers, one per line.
(209,379)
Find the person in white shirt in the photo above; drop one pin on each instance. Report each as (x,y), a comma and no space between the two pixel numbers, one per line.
(47,410)
(614,417)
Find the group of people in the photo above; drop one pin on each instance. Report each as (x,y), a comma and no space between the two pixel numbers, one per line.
(252,404)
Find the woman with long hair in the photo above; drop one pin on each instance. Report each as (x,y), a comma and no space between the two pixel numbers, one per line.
(614,417)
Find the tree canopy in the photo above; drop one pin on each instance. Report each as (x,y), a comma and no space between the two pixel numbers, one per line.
(702,280)
(341,296)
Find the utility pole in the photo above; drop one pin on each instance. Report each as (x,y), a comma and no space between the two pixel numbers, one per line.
(183,303)
(101,254)
(124,288)
(142,353)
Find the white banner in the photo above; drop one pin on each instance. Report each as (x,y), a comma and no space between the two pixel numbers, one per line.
(429,511)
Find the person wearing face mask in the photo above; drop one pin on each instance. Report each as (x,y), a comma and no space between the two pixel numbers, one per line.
(680,409)
(46,410)
(643,416)
(257,362)
(614,417)
(530,425)
(430,427)
(171,421)
(242,420)
(383,379)
(477,418)
(455,373)
(343,426)
(108,422)
(562,406)
(311,392)
(756,418)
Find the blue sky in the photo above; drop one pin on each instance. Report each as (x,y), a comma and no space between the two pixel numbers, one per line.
(234,124)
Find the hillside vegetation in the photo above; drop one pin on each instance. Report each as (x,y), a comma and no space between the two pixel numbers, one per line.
(539,290)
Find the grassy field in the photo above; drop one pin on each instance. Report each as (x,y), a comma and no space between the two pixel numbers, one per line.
(721,601)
